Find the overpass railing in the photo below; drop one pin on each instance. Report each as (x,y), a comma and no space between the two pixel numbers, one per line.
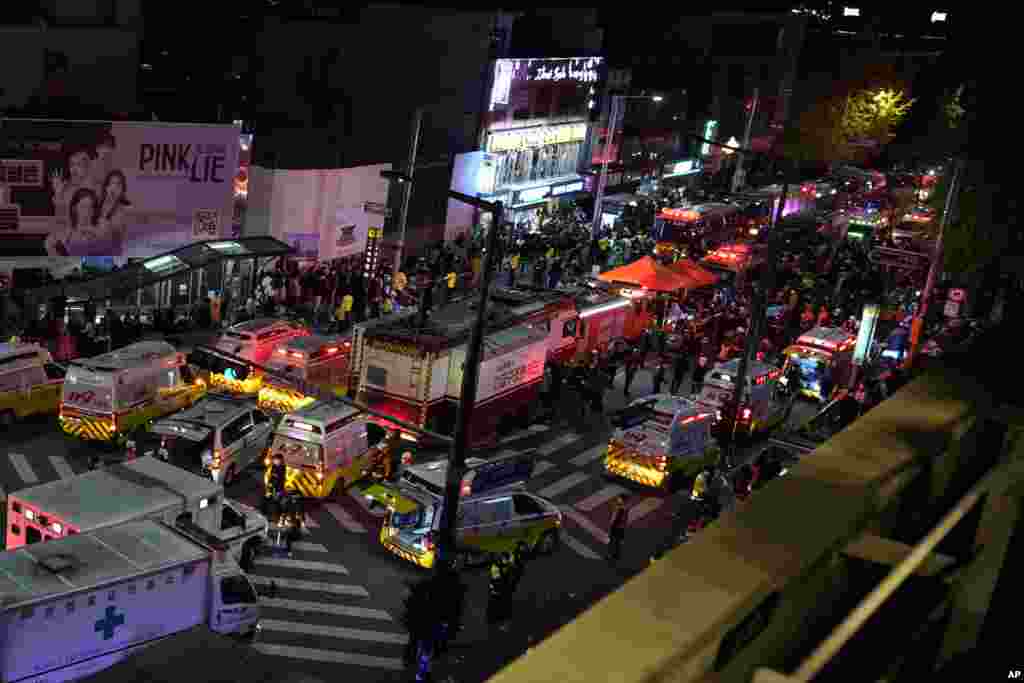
(902,518)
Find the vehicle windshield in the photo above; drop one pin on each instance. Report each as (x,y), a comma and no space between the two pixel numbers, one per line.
(418,519)
(296,453)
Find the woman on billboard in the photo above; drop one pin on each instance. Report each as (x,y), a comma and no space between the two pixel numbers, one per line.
(113,213)
(83,218)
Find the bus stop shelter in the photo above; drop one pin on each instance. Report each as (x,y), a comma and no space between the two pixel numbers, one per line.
(176,278)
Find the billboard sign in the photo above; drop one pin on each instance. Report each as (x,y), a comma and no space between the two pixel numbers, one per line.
(570,79)
(123,189)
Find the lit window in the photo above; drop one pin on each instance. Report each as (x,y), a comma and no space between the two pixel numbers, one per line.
(938,16)
(851,11)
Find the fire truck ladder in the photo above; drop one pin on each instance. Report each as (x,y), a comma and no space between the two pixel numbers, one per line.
(325,396)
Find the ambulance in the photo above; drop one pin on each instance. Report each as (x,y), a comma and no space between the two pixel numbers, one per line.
(678,230)
(30,382)
(145,488)
(817,350)
(254,341)
(315,360)
(496,513)
(107,397)
(661,441)
(761,409)
(325,446)
(77,606)
(733,263)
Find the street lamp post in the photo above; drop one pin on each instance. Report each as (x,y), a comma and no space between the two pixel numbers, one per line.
(404,178)
(470,377)
(614,115)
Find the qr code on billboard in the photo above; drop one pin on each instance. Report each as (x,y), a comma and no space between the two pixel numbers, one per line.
(205,224)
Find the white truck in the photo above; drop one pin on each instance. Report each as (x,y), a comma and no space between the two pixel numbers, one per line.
(81,604)
(145,488)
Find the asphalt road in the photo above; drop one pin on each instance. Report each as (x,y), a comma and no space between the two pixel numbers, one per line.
(335,611)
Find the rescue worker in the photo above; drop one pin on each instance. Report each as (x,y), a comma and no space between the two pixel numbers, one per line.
(697,380)
(388,454)
(416,619)
(498,587)
(274,483)
(679,368)
(617,528)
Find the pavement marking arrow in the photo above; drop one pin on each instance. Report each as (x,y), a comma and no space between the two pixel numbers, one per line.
(345,519)
(22,467)
(582,522)
(329,656)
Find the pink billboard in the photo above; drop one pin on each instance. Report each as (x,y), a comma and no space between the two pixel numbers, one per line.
(122,189)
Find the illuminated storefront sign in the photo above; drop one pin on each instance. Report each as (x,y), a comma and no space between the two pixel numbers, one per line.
(576,186)
(534,194)
(585,70)
(709,134)
(538,136)
(511,76)
(680,168)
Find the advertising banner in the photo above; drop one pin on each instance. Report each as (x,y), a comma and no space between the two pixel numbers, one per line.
(87,188)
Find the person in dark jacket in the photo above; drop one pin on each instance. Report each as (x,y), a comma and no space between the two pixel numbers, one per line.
(697,380)
(658,378)
(632,364)
(679,368)
(617,528)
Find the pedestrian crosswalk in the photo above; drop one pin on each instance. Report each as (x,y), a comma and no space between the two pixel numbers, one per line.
(347,522)
(61,467)
(564,484)
(24,470)
(31,467)
(312,612)
(596,500)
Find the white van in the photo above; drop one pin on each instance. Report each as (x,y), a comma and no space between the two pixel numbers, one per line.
(256,340)
(30,382)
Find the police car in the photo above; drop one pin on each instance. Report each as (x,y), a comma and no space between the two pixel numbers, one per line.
(220,436)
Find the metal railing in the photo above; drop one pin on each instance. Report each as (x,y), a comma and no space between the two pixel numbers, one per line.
(763,589)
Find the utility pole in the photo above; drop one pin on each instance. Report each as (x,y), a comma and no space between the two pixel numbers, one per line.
(739,175)
(602,182)
(410,169)
(936,265)
(470,377)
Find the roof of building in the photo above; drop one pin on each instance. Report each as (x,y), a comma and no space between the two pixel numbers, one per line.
(90,560)
(132,356)
(118,493)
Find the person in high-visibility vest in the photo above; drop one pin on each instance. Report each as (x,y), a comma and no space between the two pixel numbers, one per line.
(452,279)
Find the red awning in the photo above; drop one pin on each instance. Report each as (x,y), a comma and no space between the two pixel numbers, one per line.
(700,277)
(647,272)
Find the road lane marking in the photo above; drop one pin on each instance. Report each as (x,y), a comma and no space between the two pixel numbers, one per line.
(339,632)
(62,467)
(539,428)
(542,466)
(598,499)
(344,519)
(314,586)
(326,608)
(585,524)
(563,485)
(301,564)
(577,547)
(22,467)
(558,444)
(588,456)
(330,656)
(644,508)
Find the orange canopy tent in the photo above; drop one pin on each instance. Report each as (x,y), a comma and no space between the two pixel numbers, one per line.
(646,272)
(700,277)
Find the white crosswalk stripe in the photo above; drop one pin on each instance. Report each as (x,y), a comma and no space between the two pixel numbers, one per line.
(542,466)
(61,466)
(562,485)
(339,632)
(644,508)
(585,524)
(347,522)
(330,656)
(589,455)
(313,586)
(596,500)
(579,548)
(308,565)
(557,444)
(539,428)
(325,608)
(22,467)
(307,547)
